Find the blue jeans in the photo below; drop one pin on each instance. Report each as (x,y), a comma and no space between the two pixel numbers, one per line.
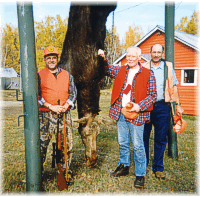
(160,117)
(127,130)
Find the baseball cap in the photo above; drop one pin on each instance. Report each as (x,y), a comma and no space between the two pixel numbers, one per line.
(50,50)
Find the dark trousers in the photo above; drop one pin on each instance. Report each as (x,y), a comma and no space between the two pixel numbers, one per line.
(160,117)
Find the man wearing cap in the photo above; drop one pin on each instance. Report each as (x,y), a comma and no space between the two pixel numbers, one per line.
(56,95)
(160,115)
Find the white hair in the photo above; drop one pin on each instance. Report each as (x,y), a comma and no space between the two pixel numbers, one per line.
(139,51)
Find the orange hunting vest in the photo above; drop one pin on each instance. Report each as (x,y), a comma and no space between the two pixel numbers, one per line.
(140,86)
(54,89)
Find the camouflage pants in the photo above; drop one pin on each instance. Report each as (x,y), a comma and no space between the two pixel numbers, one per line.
(48,127)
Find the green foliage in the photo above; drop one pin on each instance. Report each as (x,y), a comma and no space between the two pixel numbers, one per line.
(50,32)
(113,48)
(189,26)
(10,48)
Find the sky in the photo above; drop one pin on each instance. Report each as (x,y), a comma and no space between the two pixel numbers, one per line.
(146,14)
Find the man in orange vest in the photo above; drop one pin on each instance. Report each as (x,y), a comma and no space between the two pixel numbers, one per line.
(134,85)
(160,115)
(57,95)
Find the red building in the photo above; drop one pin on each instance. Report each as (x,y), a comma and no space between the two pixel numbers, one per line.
(186,64)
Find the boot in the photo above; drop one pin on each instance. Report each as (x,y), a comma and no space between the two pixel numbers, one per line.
(121,171)
(139,182)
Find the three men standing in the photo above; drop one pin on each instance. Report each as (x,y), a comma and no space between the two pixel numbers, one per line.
(134,85)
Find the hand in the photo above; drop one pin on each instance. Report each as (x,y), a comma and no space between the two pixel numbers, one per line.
(179,110)
(101,53)
(65,107)
(56,108)
(135,107)
(173,95)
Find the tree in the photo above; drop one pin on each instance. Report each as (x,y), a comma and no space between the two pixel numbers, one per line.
(190,26)
(10,48)
(49,32)
(113,48)
(133,35)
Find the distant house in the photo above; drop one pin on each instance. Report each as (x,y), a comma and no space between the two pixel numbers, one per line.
(8,78)
(186,63)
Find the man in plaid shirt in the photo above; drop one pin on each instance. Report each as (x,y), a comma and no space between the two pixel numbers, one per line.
(137,85)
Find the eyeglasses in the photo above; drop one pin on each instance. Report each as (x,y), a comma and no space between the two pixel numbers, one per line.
(51,58)
(131,56)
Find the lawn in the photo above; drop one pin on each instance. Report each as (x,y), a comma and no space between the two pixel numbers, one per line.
(181,173)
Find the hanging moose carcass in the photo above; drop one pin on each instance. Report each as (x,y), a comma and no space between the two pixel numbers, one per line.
(85,35)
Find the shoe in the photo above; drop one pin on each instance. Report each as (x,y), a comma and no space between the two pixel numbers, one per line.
(121,171)
(160,175)
(139,182)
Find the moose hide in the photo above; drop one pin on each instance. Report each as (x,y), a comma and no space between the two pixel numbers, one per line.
(85,35)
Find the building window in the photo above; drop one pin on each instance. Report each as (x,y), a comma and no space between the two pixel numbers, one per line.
(189,77)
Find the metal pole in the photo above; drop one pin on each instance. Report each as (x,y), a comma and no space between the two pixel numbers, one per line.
(20,79)
(29,88)
(112,38)
(169,56)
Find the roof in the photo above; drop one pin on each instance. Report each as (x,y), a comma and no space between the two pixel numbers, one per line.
(186,38)
(8,72)
(146,57)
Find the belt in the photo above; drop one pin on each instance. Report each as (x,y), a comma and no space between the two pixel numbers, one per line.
(161,101)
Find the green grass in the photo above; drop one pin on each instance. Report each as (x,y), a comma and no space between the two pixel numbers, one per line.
(181,173)
(9,95)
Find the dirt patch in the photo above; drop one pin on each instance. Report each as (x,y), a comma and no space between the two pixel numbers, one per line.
(10,104)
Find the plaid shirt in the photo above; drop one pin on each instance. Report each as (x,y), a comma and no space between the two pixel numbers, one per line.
(143,116)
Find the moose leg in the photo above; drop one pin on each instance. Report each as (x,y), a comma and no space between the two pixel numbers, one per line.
(89,135)
(90,150)
(94,154)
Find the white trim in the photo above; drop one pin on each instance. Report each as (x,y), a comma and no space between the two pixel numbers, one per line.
(144,58)
(182,77)
(188,68)
(186,43)
(150,33)
(118,60)
(138,43)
